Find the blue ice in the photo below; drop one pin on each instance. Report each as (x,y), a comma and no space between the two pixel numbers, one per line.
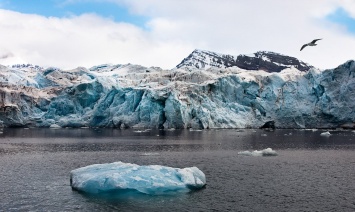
(152,179)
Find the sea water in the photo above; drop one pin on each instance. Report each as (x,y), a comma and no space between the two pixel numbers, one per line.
(309,173)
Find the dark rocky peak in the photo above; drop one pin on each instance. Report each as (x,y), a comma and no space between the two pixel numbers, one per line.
(270,62)
(21,66)
(262,60)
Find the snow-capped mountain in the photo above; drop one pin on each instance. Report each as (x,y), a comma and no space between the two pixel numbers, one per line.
(262,60)
(219,95)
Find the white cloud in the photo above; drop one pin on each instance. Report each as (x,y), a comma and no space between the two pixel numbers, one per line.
(236,27)
(349,6)
(85,40)
(176,28)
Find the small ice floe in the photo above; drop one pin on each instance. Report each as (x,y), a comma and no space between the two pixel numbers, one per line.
(150,154)
(121,177)
(264,152)
(312,129)
(194,130)
(142,131)
(84,127)
(353,131)
(325,133)
(263,135)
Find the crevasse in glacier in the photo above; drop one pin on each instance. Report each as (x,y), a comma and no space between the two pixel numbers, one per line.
(120,177)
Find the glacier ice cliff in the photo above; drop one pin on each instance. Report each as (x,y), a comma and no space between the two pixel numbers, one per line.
(219,94)
(120,177)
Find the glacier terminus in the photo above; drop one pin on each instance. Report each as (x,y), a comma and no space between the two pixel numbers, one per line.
(206,90)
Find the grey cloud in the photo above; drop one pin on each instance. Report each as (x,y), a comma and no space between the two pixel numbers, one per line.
(7,55)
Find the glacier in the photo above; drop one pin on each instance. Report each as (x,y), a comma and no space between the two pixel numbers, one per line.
(206,90)
(120,177)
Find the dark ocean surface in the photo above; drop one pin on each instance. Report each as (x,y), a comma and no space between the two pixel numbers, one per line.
(310,172)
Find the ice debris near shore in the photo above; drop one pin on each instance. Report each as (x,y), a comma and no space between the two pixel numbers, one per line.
(264,152)
(120,177)
(245,93)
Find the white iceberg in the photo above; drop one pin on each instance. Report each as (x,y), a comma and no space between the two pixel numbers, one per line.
(264,152)
(325,134)
(119,176)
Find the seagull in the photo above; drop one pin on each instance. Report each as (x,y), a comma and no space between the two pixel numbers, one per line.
(313,43)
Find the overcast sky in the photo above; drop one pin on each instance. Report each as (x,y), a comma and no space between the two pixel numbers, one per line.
(73,33)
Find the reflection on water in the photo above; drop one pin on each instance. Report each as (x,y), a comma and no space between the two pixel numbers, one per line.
(310,173)
(162,140)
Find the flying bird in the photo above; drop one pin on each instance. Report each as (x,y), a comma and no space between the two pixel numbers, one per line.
(313,43)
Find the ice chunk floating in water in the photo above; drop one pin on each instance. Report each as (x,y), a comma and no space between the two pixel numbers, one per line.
(325,134)
(264,152)
(119,176)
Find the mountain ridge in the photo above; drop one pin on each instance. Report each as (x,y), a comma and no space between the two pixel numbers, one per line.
(261,60)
